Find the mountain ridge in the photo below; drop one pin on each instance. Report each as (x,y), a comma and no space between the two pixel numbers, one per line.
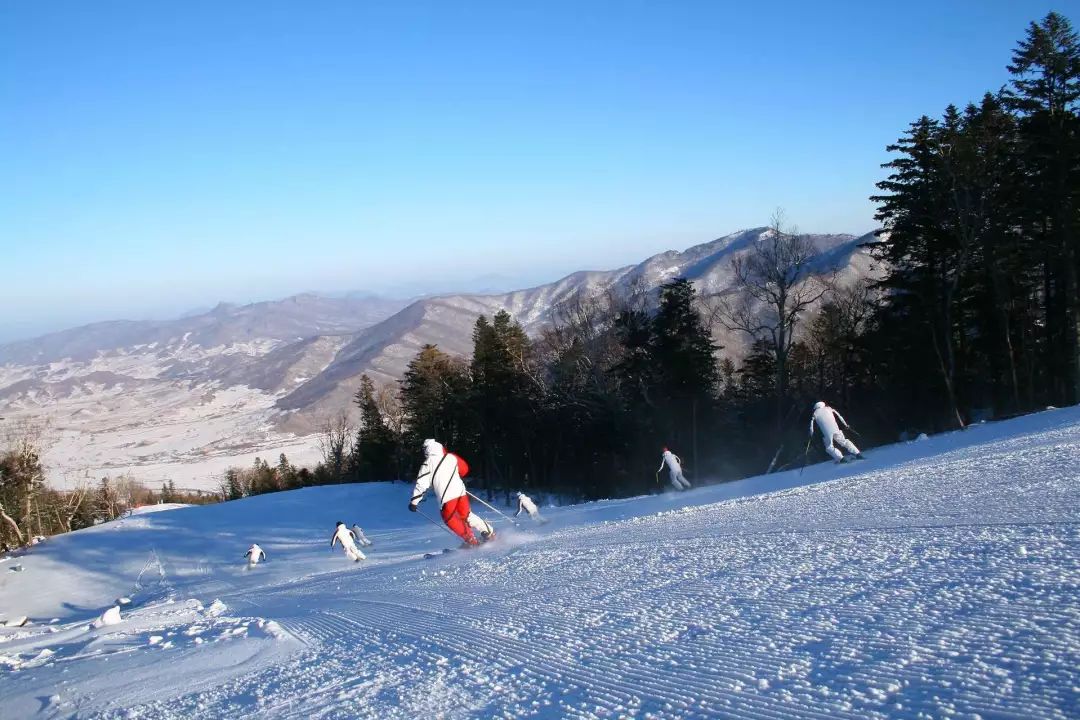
(185,398)
(383,350)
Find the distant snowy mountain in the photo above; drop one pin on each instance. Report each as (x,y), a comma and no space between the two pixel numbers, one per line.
(184,399)
(294,318)
(384,349)
(932,580)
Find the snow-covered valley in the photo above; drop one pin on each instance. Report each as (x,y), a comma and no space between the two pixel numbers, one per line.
(935,579)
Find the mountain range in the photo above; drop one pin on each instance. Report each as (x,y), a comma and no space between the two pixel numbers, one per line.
(185,398)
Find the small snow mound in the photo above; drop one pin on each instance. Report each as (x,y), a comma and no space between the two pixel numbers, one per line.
(272,629)
(216,608)
(41,657)
(109,617)
(920,437)
(123,601)
(16,621)
(1021,551)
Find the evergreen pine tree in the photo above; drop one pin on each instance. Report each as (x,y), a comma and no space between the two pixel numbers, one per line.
(1044,92)
(233,484)
(375,443)
(503,399)
(683,356)
(434,390)
(287,474)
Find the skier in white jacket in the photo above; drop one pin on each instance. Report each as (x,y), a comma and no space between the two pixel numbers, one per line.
(439,473)
(254,554)
(358,533)
(825,418)
(525,504)
(674,470)
(345,536)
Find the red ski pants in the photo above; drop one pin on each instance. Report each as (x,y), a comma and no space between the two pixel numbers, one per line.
(455,513)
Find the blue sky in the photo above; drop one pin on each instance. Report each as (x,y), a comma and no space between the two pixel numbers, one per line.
(158,157)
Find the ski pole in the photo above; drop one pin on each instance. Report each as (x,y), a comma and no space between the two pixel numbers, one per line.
(489,505)
(806,452)
(428,518)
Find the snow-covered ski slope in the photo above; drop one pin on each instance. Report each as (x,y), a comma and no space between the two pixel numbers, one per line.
(935,579)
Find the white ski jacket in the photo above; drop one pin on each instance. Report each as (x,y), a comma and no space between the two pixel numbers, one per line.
(526,504)
(439,473)
(344,536)
(255,554)
(826,418)
(671,460)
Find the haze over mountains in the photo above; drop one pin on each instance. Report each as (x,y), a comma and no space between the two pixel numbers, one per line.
(186,398)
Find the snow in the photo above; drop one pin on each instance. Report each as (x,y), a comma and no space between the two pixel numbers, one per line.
(935,579)
(147,425)
(156,508)
(109,617)
(156,436)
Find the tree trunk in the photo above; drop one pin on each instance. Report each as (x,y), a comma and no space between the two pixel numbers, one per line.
(1072,323)
(14,525)
(1010,354)
(946,372)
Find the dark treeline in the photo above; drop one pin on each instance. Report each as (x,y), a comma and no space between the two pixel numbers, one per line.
(975,314)
(980,233)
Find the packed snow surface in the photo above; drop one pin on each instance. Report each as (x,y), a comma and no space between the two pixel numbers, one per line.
(935,579)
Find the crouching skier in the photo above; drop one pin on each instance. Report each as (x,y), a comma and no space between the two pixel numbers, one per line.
(525,504)
(674,470)
(254,555)
(825,418)
(440,473)
(358,533)
(345,536)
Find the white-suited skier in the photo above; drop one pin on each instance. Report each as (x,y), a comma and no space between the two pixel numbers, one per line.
(526,504)
(345,536)
(826,420)
(361,538)
(441,473)
(254,555)
(674,470)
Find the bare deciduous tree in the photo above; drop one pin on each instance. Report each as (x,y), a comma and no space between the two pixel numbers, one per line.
(336,435)
(833,343)
(64,506)
(388,401)
(776,285)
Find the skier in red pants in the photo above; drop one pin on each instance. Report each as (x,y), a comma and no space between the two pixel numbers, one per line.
(440,472)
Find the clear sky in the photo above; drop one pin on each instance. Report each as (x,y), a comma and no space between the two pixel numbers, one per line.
(157,157)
